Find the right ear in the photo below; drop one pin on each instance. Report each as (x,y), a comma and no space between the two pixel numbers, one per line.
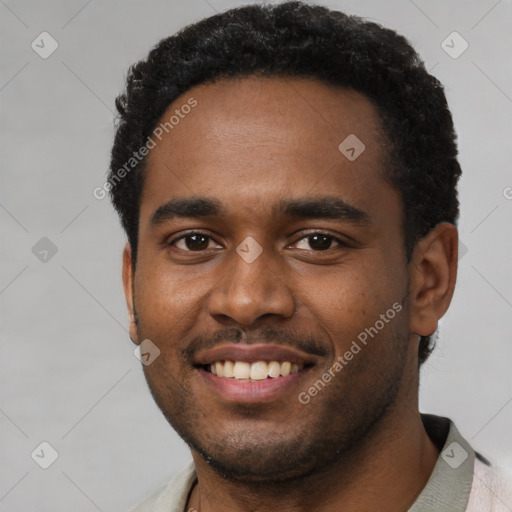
(128,291)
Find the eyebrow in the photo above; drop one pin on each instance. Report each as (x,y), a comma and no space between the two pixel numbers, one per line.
(329,207)
(186,208)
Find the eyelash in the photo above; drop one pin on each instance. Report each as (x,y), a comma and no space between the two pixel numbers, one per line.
(340,242)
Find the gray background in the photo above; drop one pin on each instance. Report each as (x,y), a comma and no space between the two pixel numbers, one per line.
(68,373)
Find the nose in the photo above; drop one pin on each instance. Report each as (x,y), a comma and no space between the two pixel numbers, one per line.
(249,291)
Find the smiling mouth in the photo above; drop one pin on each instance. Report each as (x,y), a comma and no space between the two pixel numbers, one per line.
(256,371)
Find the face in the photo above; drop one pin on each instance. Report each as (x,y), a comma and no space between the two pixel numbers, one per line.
(262,244)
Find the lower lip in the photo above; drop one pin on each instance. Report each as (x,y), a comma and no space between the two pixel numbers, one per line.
(233,390)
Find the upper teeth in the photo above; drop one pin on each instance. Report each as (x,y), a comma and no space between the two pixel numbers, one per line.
(259,370)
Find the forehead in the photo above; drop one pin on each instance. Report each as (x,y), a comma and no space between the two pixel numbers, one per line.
(251,141)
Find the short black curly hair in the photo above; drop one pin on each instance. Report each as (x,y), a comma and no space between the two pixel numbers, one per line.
(294,39)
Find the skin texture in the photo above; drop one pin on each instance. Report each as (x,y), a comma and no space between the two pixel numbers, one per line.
(250,143)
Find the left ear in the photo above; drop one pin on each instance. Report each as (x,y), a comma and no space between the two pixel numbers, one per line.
(433,272)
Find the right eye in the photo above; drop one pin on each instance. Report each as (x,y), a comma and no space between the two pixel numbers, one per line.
(192,242)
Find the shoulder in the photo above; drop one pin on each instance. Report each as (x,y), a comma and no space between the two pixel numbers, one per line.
(491,490)
(171,497)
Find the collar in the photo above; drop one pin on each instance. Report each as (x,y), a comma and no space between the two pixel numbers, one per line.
(449,485)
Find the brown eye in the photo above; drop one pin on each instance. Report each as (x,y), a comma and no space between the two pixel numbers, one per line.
(196,242)
(193,242)
(318,242)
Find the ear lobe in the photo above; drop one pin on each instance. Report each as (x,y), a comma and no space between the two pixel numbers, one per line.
(128,291)
(433,272)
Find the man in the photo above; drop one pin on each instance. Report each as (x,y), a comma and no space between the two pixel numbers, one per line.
(286,176)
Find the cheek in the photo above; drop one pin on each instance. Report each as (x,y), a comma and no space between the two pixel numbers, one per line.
(346,302)
(168,306)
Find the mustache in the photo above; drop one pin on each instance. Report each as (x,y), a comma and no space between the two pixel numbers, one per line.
(307,343)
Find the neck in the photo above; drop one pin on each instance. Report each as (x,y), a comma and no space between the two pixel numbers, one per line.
(386,471)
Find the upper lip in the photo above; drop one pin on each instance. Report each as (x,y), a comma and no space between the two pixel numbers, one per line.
(252,353)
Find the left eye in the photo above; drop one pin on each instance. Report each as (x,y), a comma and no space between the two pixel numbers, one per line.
(319,241)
